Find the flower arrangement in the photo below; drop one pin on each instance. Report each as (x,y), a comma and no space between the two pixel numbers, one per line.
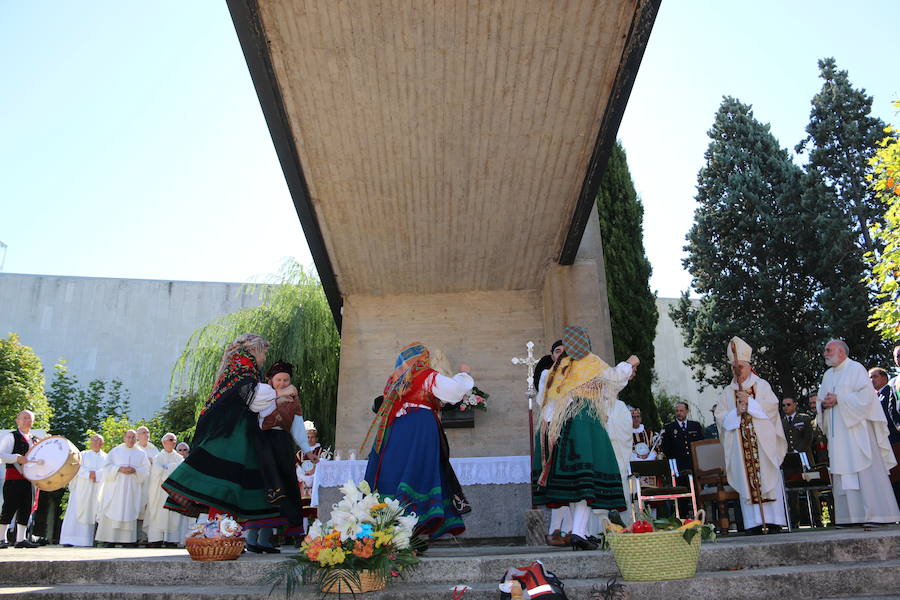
(367,534)
(474,399)
(223,526)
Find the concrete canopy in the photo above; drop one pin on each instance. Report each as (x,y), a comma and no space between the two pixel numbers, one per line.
(442,146)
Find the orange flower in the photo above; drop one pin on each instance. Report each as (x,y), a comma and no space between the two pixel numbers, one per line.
(890,182)
(364,550)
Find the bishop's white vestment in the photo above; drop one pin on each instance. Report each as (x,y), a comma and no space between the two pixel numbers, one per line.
(858,449)
(84,495)
(163,525)
(120,496)
(771,446)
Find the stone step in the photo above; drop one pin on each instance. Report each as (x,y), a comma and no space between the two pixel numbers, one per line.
(141,567)
(877,579)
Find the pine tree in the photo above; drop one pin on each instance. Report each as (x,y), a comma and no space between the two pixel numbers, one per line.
(746,254)
(632,306)
(842,138)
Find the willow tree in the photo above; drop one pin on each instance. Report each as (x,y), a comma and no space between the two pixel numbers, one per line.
(295,317)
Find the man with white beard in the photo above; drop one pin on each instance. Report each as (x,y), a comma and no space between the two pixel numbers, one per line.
(163,526)
(851,417)
(84,495)
(126,468)
(753,440)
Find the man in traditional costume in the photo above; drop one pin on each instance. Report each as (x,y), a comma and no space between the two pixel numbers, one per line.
(410,458)
(574,461)
(18,493)
(221,474)
(164,527)
(851,417)
(126,468)
(753,441)
(84,497)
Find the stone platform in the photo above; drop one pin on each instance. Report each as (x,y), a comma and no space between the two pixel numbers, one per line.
(823,564)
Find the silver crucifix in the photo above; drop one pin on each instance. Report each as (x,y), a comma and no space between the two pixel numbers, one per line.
(530,362)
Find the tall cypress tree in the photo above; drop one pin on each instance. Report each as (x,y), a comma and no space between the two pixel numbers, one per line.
(747,255)
(632,306)
(842,136)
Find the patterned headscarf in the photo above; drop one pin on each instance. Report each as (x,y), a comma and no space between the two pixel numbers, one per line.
(576,341)
(411,360)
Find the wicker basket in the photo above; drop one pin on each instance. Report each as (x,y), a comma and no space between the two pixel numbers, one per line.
(368,583)
(209,549)
(655,556)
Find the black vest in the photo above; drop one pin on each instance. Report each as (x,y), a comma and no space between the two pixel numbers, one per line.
(20,446)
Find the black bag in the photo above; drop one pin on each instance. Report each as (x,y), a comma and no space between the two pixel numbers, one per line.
(536,581)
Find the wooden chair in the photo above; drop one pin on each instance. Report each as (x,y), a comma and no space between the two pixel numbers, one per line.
(664,472)
(708,458)
(800,477)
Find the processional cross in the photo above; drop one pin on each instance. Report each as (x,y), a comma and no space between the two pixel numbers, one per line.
(530,393)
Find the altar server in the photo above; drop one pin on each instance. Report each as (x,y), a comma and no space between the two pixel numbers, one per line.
(851,417)
(163,526)
(753,440)
(126,468)
(84,495)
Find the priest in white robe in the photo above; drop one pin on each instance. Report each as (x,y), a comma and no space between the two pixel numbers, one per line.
(143,443)
(126,468)
(84,496)
(753,439)
(850,415)
(163,526)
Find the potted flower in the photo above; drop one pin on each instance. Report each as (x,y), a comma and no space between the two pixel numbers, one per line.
(463,414)
(368,541)
(218,539)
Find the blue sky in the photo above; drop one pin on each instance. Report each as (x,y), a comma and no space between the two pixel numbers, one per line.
(133,144)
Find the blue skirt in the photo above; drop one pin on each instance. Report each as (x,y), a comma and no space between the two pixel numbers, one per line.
(409,468)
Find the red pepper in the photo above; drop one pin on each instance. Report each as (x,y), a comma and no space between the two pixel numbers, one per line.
(642,527)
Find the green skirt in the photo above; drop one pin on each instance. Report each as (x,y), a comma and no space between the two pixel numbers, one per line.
(582,467)
(223,473)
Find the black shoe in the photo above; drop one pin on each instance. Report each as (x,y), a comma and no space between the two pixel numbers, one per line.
(42,541)
(268,550)
(579,543)
(254,549)
(615,517)
(3,545)
(26,544)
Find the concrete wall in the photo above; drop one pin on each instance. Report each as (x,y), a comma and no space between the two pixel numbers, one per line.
(129,329)
(671,373)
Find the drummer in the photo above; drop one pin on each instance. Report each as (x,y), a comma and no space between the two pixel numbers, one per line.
(18,493)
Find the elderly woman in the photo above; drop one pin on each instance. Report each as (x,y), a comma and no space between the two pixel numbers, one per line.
(574,461)
(221,474)
(410,459)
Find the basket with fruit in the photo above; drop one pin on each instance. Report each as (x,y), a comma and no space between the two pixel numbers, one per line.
(652,550)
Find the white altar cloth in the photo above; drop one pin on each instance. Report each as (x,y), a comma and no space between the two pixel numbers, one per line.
(476,470)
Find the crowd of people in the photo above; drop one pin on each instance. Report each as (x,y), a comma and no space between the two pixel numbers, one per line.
(244,461)
(853,434)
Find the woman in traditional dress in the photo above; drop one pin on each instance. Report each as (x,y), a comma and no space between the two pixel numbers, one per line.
(222,472)
(574,461)
(410,459)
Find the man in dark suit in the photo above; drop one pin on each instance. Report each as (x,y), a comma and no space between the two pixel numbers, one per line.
(676,443)
(798,429)
(888,397)
(678,435)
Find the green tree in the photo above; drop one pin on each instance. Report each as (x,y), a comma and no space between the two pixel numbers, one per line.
(21,383)
(113,430)
(842,137)
(179,415)
(747,256)
(632,306)
(77,409)
(884,180)
(295,318)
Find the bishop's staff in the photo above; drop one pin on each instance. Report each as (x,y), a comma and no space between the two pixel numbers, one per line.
(749,445)
(530,393)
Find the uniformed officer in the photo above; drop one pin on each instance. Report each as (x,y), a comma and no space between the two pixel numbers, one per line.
(798,429)
(676,443)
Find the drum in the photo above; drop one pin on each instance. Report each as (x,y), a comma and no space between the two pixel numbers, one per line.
(55,463)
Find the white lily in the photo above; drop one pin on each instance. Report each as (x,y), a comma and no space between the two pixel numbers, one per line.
(351,492)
